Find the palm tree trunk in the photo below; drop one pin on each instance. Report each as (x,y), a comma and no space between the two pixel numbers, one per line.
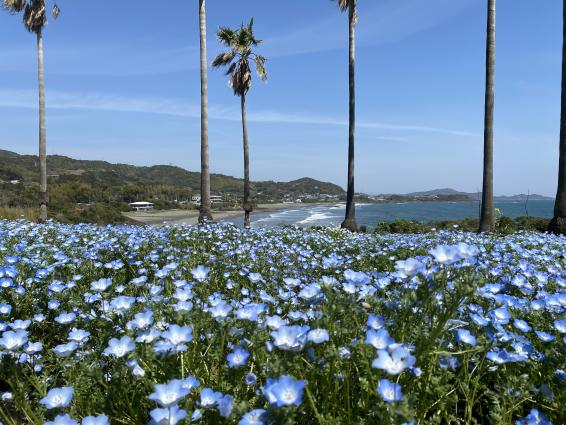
(43,198)
(487,220)
(350,219)
(558,223)
(247,200)
(205,213)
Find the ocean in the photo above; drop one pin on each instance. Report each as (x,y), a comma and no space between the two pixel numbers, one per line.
(371,214)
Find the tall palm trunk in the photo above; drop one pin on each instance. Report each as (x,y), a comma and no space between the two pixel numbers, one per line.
(350,219)
(43,198)
(205,213)
(247,200)
(558,223)
(487,220)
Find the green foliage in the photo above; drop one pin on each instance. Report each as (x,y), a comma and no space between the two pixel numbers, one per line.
(505,225)
(107,188)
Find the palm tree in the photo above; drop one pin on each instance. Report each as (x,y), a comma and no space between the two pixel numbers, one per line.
(238,59)
(205,213)
(350,219)
(35,18)
(558,223)
(486,218)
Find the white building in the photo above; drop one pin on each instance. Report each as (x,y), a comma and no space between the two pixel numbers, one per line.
(214,199)
(141,206)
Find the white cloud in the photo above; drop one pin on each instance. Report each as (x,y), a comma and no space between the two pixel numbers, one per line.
(176,107)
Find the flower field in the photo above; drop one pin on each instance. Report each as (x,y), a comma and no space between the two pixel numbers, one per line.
(216,324)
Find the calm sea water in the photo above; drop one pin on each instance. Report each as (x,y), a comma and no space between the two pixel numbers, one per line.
(372,214)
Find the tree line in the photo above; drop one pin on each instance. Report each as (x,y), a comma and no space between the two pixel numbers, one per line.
(241,58)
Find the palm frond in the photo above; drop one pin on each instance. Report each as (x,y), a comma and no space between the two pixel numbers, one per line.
(55,11)
(231,69)
(260,66)
(223,59)
(14,6)
(226,36)
(34,15)
(344,5)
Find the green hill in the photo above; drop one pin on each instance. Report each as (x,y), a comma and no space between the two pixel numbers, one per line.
(97,191)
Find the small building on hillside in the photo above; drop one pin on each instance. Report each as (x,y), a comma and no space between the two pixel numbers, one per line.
(141,206)
(216,199)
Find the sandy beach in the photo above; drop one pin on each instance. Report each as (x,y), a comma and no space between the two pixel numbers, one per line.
(167,217)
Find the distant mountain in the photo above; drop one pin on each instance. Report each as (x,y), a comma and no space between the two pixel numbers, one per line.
(477,195)
(101,173)
(437,192)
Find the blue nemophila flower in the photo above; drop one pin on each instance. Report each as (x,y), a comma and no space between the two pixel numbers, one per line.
(501,315)
(5,309)
(209,397)
(20,325)
(395,362)
(225,406)
(238,357)
(119,347)
(33,347)
(501,357)
(13,340)
(96,420)
(275,322)
(375,322)
(446,254)
(522,325)
(62,420)
(135,367)
(534,418)
(177,335)
(251,378)
(318,336)
(408,268)
(311,292)
(167,395)
(250,312)
(65,350)
(560,325)
(389,391)
(196,416)
(291,338)
(357,278)
(78,335)
(200,273)
(169,416)
(255,277)
(465,336)
(190,383)
(545,336)
(57,398)
(141,320)
(284,391)
(220,310)
(379,339)
(101,285)
(121,304)
(255,417)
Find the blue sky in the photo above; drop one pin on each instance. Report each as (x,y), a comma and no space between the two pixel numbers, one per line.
(123,86)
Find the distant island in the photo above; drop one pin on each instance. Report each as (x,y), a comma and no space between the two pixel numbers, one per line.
(451,195)
(98,191)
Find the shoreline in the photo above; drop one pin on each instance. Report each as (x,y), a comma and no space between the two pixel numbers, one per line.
(175,217)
